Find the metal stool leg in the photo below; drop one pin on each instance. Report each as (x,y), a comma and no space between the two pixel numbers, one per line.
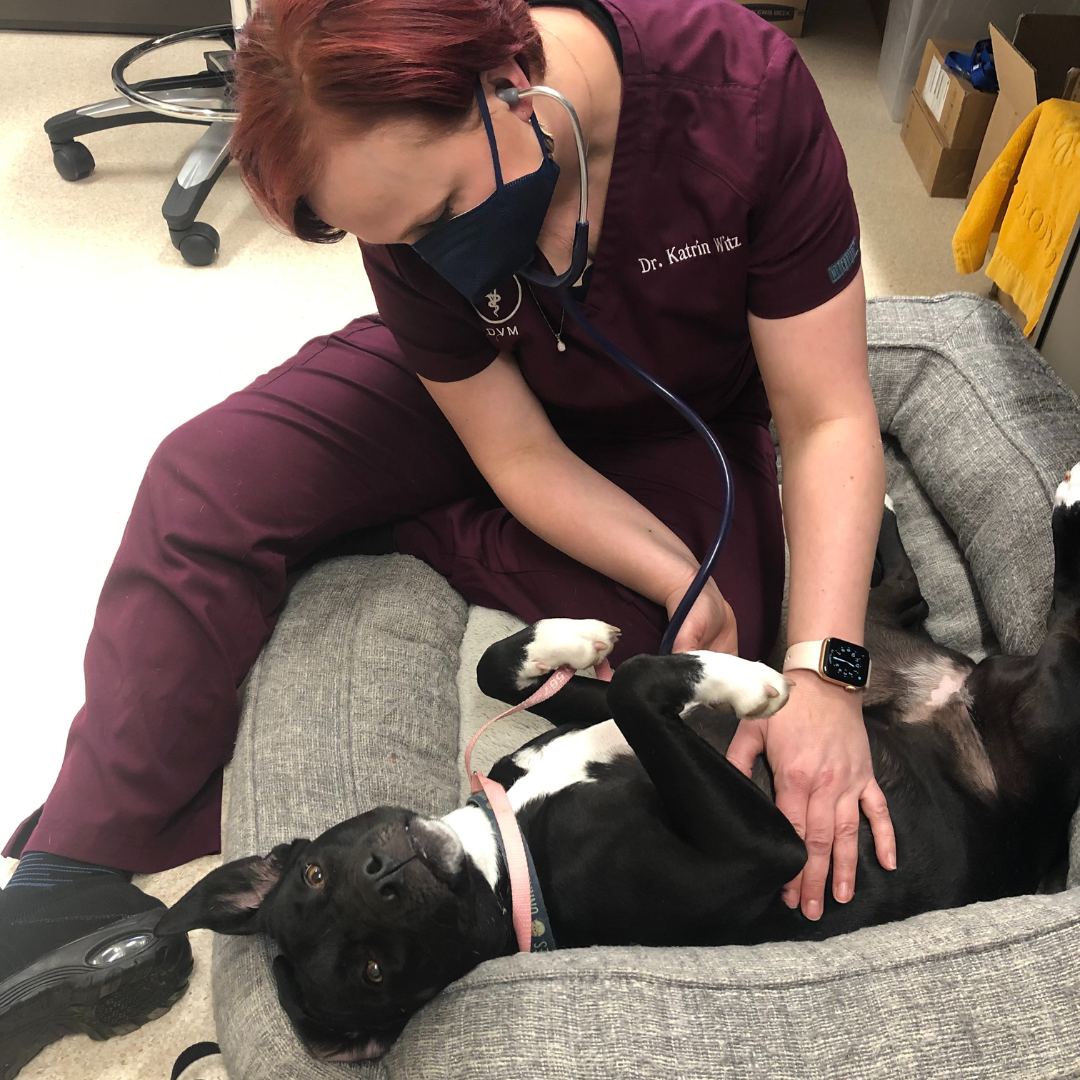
(202,99)
(197,242)
(74,161)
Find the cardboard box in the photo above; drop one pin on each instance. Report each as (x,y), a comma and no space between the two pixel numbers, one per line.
(944,170)
(960,112)
(1032,67)
(789,17)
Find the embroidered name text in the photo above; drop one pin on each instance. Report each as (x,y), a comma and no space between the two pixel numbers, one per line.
(692,250)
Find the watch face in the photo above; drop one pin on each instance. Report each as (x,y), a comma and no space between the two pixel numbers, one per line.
(846,662)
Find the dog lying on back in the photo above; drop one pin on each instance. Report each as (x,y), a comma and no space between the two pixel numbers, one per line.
(641,831)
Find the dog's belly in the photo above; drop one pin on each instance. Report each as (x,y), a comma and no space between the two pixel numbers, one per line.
(934,692)
(565,761)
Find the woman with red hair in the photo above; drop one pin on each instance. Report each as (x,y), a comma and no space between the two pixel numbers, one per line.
(470,425)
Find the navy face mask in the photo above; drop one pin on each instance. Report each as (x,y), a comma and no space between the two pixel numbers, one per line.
(487,245)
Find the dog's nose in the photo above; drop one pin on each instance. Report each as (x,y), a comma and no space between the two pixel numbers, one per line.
(379,868)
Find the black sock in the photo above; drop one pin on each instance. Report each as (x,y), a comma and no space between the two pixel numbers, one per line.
(41,870)
(52,900)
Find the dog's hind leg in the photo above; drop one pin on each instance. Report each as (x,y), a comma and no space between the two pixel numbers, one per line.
(710,804)
(1064,615)
(895,597)
(511,669)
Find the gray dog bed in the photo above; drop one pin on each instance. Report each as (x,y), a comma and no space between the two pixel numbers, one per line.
(365,695)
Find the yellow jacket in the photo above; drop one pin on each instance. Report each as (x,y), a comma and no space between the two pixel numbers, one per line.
(1042,210)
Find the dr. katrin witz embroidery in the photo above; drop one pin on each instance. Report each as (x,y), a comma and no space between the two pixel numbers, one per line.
(717,246)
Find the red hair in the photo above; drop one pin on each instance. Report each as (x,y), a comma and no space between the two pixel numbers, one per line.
(309,67)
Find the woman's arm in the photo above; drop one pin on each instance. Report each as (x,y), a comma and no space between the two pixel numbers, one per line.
(554,494)
(814,366)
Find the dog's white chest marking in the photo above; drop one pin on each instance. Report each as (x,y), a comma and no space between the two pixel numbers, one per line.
(548,769)
(564,761)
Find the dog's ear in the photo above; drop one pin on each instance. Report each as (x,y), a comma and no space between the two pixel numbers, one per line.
(228,899)
(322,1042)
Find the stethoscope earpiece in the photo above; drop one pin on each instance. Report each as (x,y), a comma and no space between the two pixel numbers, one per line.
(513,96)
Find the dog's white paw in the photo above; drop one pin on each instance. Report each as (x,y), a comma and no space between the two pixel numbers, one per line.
(581,643)
(751,689)
(1068,491)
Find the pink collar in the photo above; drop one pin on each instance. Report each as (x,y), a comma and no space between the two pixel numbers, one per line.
(517,863)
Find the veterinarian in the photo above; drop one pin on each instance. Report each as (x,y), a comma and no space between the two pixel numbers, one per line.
(491,440)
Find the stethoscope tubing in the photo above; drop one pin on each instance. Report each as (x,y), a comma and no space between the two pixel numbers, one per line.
(562,283)
(705,570)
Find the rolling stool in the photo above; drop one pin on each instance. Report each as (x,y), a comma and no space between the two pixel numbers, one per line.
(202,98)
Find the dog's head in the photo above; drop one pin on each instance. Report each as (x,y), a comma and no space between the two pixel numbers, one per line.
(373,918)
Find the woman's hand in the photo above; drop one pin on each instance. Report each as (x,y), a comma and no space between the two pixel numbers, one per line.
(709,624)
(820,757)
(555,495)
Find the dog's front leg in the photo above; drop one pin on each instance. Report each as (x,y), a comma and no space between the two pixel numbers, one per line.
(511,669)
(712,805)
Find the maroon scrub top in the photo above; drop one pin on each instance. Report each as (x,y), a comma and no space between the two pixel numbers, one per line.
(728,194)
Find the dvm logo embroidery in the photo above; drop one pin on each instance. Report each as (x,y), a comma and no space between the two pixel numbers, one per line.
(500,308)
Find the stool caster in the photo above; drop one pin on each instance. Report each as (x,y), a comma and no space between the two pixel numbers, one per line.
(198,245)
(72,160)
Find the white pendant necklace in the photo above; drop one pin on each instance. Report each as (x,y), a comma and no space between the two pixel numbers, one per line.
(557,334)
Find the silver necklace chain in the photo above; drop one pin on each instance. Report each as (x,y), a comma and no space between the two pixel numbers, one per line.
(559,344)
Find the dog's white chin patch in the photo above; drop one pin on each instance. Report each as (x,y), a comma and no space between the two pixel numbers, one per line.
(1068,491)
(473,829)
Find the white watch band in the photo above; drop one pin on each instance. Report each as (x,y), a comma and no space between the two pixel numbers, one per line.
(805,654)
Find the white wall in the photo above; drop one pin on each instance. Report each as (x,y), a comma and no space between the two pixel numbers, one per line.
(107,342)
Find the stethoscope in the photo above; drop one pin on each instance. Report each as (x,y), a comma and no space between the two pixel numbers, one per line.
(561,283)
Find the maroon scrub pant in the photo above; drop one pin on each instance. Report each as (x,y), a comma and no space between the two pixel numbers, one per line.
(342,437)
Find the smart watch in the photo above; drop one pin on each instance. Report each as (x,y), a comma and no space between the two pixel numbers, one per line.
(834,659)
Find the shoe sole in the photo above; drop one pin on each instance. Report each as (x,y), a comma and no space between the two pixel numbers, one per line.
(63,994)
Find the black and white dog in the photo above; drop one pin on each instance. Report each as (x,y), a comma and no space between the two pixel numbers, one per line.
(641,831)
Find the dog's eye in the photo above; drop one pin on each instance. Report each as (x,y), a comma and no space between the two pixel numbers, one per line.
(313,875)
(373,973)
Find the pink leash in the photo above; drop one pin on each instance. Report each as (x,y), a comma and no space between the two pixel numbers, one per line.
(517,866)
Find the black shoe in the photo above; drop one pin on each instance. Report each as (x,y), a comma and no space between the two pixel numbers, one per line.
(82,958)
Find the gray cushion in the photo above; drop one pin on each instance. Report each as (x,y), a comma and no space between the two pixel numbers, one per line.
(353,704)
(989,430)
(951,995)
(957,617)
